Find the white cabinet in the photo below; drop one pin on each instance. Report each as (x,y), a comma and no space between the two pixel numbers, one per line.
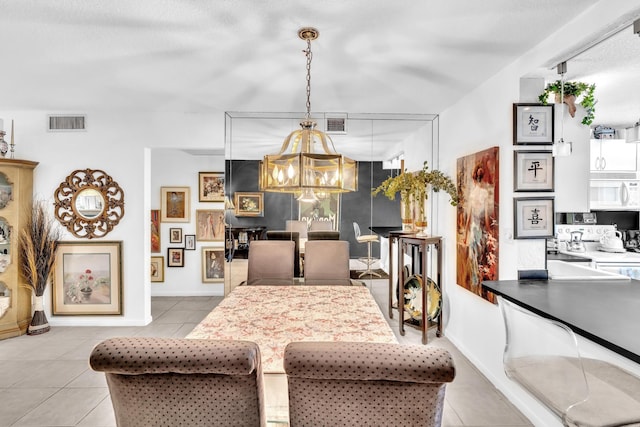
(609,155)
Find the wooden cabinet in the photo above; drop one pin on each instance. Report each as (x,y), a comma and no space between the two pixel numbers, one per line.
(16,198)
(612,155)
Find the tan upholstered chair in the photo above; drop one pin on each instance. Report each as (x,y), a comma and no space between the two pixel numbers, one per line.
(300,226)
(366,384)
(326,259)
(293,236)
(270,259)
(182,382)
(320,225)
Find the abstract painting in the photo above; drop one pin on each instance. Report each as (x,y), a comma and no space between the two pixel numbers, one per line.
(477,220)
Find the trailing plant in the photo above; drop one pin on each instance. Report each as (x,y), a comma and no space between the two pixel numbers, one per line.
(417,185)
(577,89)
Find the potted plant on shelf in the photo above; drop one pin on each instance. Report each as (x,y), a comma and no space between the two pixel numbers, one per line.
(572,91)
(38,245)
(414,190)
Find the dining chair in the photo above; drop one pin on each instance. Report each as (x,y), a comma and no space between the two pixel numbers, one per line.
(320,225)
(326,260)
(182,382)
(368,240)
(271,259)
(300,226)
(580,391)
(323,235)
(363,383)
(294,237)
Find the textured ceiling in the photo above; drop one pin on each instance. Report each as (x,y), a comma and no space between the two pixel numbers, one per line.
(372,56)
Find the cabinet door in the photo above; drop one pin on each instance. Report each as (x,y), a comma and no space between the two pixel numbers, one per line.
(618,155)
(595,155)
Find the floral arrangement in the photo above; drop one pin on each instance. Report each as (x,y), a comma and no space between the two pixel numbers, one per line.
(86,281)
(417,185)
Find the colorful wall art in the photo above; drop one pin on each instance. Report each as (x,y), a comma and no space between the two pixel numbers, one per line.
(477,220)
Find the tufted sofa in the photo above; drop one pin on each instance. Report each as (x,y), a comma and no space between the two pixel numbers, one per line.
(366,384)
(182,382)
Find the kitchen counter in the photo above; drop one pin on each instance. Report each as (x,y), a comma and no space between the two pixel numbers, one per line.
(567,257)
(603,312)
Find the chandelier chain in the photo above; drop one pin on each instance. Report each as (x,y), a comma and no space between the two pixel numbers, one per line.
(309,56)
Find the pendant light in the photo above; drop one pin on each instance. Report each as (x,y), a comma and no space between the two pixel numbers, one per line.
(561,148)
(298,168)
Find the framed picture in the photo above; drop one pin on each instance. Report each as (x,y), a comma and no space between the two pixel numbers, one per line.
(210,225)
(175,257)
(533,171)
(155,230)
(533,217)
(249,204)
(175,204)
(532,124)
(87,278)
(175,235)
(190,242)
(211,186)
(212,264)
(157,269)
(326,209)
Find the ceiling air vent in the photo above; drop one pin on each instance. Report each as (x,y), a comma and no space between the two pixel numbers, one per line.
(336,124)
(67,123)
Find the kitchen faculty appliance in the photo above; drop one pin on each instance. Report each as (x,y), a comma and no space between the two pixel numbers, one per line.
(614,194)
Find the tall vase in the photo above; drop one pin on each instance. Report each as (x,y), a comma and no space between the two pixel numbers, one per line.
(420,220)
(406,212)
(39,323)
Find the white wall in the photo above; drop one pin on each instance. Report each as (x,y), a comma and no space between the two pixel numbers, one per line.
(171,168)
(119,144)
(481,120)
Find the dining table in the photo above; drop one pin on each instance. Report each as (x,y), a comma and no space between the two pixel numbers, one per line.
(274,315)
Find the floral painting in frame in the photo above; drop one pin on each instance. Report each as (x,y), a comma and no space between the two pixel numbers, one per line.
(211,186)
(477,220)
(249,204)
(87,278)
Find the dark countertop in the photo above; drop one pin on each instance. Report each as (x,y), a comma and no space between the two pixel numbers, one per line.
(567,257)
(606,312)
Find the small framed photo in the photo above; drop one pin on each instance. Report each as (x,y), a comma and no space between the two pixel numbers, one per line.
(211,186)
(210,225)
(533,217)
(212,264)
(249,204)
(532,124)
(175,257)
(175,204)
(157,269)
(533,171)
(155,230)
(87,278)
(175,235)
(190,242)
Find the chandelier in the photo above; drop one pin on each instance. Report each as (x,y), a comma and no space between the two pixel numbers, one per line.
(300,167)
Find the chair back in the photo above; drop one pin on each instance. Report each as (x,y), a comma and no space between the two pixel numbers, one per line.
(326,259)
(172,381)
(320,225)
(363,383)
(300,226)
(356,229)
(323,235)
(271,259)
(294,237)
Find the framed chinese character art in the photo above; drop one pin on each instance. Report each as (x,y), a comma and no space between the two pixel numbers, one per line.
(533,217)
(532,124)
(533,171)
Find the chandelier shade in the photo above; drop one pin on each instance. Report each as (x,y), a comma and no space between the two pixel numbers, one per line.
(307,163)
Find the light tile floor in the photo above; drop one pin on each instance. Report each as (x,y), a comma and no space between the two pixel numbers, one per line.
(45,380)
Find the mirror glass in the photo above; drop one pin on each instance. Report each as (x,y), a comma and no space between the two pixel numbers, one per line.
(89,203)
(5,244)
(372,140)
(6,190)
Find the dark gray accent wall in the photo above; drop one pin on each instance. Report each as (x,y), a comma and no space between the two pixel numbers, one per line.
(359,206)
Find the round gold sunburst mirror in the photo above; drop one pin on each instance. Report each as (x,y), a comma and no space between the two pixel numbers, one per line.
(89,203)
